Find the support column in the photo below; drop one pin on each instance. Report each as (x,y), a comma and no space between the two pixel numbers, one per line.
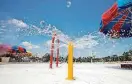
(57,57)
(70,62)
(52,50)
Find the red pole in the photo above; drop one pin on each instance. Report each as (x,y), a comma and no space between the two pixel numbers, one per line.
(52,51)
(57,58)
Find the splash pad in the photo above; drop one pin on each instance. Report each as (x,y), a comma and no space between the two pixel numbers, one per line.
(70,56)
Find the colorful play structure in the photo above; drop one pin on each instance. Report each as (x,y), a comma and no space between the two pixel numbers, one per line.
(14,50)
(70,55)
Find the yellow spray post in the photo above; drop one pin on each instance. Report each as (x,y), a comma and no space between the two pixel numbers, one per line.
(70,62)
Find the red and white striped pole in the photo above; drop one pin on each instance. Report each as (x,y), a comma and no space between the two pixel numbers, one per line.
(52,50)
(57,57)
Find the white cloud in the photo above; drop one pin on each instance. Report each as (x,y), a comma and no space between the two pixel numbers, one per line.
(86,41)
(21,26)
(18,23)
(29,45)
(47,43)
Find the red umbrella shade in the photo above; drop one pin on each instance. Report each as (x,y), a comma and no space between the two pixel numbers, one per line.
(21,49)
(117,22)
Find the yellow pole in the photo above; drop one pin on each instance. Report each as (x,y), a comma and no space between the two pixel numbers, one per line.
(70,61)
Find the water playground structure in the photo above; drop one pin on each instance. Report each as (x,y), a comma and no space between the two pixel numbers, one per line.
(116,23)
(70,55)
(9,51)
(52,50)
(107,22)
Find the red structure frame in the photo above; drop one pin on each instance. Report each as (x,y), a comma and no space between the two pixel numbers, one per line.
(57,57)
(52,51)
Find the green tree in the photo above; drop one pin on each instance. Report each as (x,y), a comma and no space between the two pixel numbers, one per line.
(125,54)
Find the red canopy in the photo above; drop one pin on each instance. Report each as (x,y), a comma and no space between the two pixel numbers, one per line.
(21,49)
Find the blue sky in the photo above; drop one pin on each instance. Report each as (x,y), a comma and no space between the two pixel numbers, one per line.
(76,22)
